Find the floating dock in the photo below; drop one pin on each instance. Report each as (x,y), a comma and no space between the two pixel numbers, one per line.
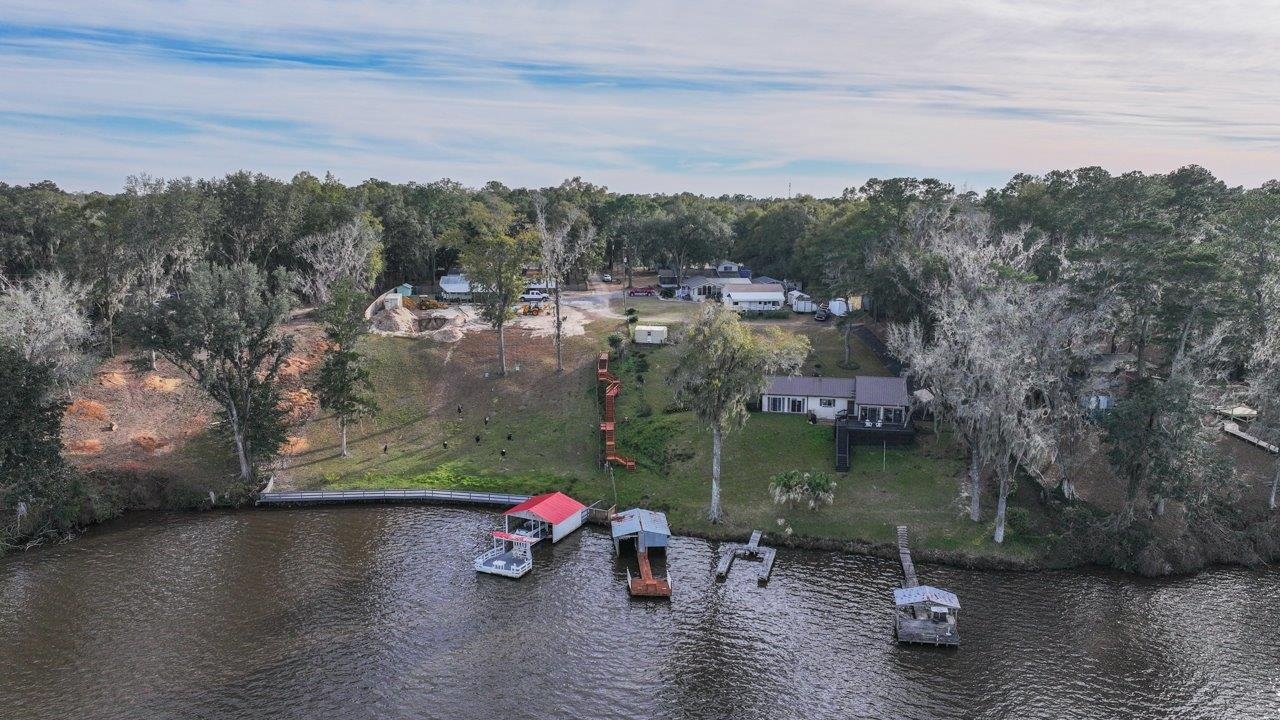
(751,551)
(922,614)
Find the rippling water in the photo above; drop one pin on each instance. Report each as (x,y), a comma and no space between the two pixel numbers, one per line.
(375,612)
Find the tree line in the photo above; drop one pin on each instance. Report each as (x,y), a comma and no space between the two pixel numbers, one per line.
(996,300)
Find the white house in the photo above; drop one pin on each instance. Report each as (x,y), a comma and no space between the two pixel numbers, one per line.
(753,297)
(701,287)
(731,269)
(823,396)
(876,401)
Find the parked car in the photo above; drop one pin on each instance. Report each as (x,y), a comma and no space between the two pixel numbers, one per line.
(642,292)
(606,278)
(534,296)
(822,315)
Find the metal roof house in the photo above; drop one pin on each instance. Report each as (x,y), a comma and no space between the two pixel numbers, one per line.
(701,287)
(754,297)
(457,287)
(550,515)
(823,396)
(866,410)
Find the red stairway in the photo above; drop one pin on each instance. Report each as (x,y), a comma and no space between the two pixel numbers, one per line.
(612,387)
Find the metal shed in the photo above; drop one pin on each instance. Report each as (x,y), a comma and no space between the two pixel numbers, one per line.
(648,528)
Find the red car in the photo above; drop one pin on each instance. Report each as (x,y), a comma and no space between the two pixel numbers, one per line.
(642,292)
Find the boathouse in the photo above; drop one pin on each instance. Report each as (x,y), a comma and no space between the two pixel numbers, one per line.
(550,515)
(648,530)
(926,614)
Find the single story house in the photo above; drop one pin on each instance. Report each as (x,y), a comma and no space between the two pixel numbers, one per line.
(701,287)
(823,396)
(766,280)
(871,401)
(753,297)
(456,287)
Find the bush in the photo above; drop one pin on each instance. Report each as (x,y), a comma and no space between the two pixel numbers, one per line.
(1018,519)
(666,293)
(642,364)
(812,488)
(632,311)
(645,410)
(632,320)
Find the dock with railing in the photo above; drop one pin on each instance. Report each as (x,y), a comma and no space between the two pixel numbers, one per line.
(336,497)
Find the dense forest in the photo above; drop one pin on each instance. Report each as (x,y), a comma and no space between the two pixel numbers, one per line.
(997,302)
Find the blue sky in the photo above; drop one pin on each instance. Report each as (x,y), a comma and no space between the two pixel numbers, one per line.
(644,97)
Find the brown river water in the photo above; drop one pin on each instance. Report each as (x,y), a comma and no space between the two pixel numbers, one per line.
(376,612)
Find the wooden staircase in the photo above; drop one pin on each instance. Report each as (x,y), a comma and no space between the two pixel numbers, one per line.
(612,387)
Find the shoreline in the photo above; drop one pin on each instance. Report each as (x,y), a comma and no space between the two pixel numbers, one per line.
(958,559)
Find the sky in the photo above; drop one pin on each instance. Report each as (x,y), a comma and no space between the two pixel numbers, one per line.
(764,98)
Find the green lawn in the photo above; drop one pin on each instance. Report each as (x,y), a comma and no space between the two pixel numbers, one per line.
(553,421)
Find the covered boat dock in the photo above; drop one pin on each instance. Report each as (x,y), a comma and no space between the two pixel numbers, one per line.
(550,515)
(649,532)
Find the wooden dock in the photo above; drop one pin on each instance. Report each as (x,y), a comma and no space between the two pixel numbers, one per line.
(922,614)
(333,497)
(904,556)
(1233,429)
(751,551)
(647,585)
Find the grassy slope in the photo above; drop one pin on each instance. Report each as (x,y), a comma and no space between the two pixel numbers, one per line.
(556,444)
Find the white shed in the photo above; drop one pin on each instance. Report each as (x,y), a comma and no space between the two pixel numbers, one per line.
(650,334)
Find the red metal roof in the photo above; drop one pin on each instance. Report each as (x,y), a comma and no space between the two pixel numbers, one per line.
(553,507)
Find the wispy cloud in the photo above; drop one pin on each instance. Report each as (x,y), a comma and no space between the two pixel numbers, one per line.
(714,97)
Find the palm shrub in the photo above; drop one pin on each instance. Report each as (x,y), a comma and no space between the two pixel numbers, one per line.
(794,487)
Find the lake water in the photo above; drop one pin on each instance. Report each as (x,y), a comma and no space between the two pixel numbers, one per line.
(376,612)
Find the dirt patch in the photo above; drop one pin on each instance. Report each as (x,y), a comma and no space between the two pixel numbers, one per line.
(163,384)
(299,404)
(399,319)
(294,445)
(149,443)
(89,410)
(112,379)
(84,447)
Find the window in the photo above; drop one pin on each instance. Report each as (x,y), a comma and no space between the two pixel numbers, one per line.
(894,415)
(775,404)
(827,402)
(797,405)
